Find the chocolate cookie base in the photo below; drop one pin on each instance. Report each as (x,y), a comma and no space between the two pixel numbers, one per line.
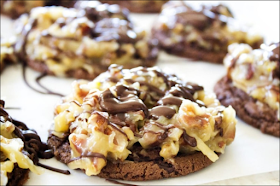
(197,54)
(18,177)
(79,73)
(138,167)
(191,50)
(246,107)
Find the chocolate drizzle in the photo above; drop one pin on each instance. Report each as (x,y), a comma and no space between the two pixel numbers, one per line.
(48,92)
(171,100)
(67,172)
(191,141)
(20,49)
(21,44)
(181,91)
(198,27)
(99,22)
(250,72)
(122,102)
(126,99)
(158,111)
(34,148)
(121,99)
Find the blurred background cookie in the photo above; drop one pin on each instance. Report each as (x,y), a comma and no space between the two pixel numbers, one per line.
(14,8)
(252,85)
(81,42)
(201,32)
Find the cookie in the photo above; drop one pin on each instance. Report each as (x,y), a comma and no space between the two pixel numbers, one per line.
(20,151)
(141,118)
(82,42)
(7,52)
(201,33)
(18,177)
(151,167)
(152,6)
(14,9)
(251,86)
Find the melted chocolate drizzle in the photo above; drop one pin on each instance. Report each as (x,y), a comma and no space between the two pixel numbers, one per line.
(48,92)
(158,111)
(171,100)
(34,148)
(67,172)
(20,48)
(122,99)
(191,141)
(126,100)
(205,20)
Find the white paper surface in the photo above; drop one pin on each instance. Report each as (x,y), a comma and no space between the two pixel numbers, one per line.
(251,153)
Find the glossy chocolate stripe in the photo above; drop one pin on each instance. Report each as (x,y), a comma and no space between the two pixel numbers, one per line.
(126,100)
(165,111)
(171,100)
(67,172)
(38,82)
(191,141)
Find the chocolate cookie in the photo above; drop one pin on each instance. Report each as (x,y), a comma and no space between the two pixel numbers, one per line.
(248,108)
(141,118)
(201,33)
(14,9)
(251,86)
(151,6)
(139,167)
(18,177)
(81,42)
(20,151)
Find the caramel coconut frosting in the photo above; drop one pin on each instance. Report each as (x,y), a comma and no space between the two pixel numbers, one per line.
(81,42)
(256,72)
(20,150)
(200,32)
(104,119)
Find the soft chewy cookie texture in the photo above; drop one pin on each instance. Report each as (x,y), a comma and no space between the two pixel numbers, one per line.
(201,33)
(151,6)
(81,42)
(251,85)
(140,118)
